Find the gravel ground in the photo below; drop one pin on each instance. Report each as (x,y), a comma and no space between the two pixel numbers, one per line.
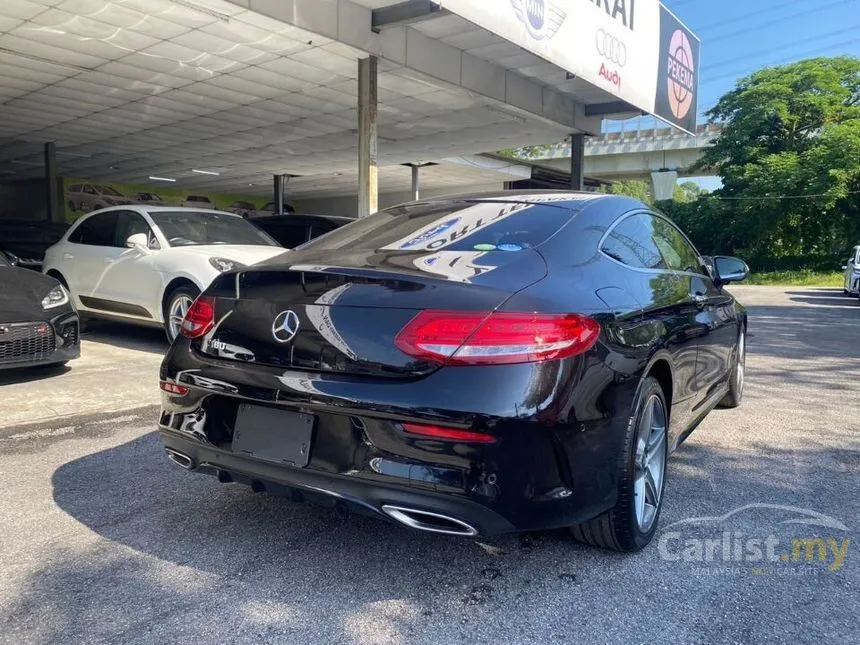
(105,541)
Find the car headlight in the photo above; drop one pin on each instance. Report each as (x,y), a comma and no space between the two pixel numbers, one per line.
(57,297)
(223,264)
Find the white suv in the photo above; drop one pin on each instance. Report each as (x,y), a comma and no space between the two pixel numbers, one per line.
(851,287)
(148,264)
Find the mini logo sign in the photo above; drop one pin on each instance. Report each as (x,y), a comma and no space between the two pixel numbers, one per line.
(542,18)
(286,326)
(680,66)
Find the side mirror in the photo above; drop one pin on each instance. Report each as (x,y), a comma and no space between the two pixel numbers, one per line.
(729,269)
(138,241)
(13,259)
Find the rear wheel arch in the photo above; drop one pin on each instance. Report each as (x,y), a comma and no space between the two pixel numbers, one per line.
(662,371)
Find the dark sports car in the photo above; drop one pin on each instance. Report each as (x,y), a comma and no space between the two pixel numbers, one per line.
(38,322)
(470,365)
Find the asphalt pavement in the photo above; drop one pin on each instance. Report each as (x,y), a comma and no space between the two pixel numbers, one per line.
(105,541)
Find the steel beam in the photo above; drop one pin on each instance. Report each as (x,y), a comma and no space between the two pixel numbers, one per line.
(404,13)
(368,186)
(577,161)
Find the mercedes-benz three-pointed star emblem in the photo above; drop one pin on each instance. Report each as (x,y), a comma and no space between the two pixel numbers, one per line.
(286,326)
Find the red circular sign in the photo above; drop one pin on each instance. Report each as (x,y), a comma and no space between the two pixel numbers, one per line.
(681,74)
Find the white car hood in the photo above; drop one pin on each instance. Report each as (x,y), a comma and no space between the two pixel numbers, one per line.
(246,254)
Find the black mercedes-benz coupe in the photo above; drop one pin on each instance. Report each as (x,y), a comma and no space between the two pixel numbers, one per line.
(38,322)
(471,365)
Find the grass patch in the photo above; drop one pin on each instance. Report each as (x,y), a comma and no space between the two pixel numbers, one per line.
(797,278)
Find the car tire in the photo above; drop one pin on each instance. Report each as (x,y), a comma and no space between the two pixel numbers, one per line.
(735,395)
(641,473)
(177,304)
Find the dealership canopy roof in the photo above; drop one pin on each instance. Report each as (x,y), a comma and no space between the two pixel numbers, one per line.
(130,89)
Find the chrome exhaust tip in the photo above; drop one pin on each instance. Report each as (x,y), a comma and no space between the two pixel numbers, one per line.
(179,458)
(427,521)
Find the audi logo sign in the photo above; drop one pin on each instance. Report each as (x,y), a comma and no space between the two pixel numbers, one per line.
(611,48)
(598,41)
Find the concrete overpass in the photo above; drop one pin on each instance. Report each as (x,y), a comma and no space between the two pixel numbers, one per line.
(661,155)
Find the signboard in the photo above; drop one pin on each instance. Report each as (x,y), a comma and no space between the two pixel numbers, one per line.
(636,50)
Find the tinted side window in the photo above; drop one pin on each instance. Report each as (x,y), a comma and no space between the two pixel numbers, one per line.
(321,229)
(130,223)
(632,243)
(676,250)
(98,230)
(288,234)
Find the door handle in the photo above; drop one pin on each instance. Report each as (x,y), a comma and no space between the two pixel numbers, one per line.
(108,260)
(68,256)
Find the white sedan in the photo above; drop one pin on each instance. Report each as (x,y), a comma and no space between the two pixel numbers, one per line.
(147,264)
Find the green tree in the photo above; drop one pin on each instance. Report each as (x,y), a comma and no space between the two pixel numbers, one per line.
(688,191)
(790,134)
(636,188)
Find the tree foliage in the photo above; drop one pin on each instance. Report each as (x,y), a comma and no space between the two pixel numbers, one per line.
(789,158)
(636,188)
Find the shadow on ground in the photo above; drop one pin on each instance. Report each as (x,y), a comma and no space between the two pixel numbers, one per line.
(126,336)
(29,374)
(197,557)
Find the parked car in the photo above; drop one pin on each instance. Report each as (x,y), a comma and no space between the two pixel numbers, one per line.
(38,322)
(148,199)
(851,286)
(29,239)
(147,264)
(242,208)
(293,230)
(542,386)
(197,201)
(269,209)
(91,197)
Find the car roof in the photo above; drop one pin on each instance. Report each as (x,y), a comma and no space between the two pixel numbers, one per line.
(338,219)
(562,198)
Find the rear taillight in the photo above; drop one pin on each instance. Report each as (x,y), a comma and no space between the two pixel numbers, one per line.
(200,318)
(174,388)
(448,434)
(480,338)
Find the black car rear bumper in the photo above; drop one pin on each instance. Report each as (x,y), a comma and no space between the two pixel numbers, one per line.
(21,346)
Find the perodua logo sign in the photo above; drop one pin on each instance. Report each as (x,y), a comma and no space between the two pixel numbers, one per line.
(680,73)
(542,18)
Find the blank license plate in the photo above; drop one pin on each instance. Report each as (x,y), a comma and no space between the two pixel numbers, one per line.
(273,435)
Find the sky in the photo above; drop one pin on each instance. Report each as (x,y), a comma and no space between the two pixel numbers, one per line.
(740,36)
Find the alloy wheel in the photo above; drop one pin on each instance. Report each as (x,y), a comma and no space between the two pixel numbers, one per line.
(178,308)
(650,462)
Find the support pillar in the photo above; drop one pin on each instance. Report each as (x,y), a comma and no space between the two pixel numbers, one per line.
(278,192)
(663,184)
(368,188)
(52,184)
(416,187)
(577,161)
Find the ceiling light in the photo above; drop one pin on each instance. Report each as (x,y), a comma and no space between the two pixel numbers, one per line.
(205,172)
(208,11)
(153,178)
(47,61)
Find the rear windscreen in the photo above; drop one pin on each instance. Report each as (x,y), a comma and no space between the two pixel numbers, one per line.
(450,226)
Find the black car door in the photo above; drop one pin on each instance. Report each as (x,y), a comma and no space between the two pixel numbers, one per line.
(661,294)
(709,309)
